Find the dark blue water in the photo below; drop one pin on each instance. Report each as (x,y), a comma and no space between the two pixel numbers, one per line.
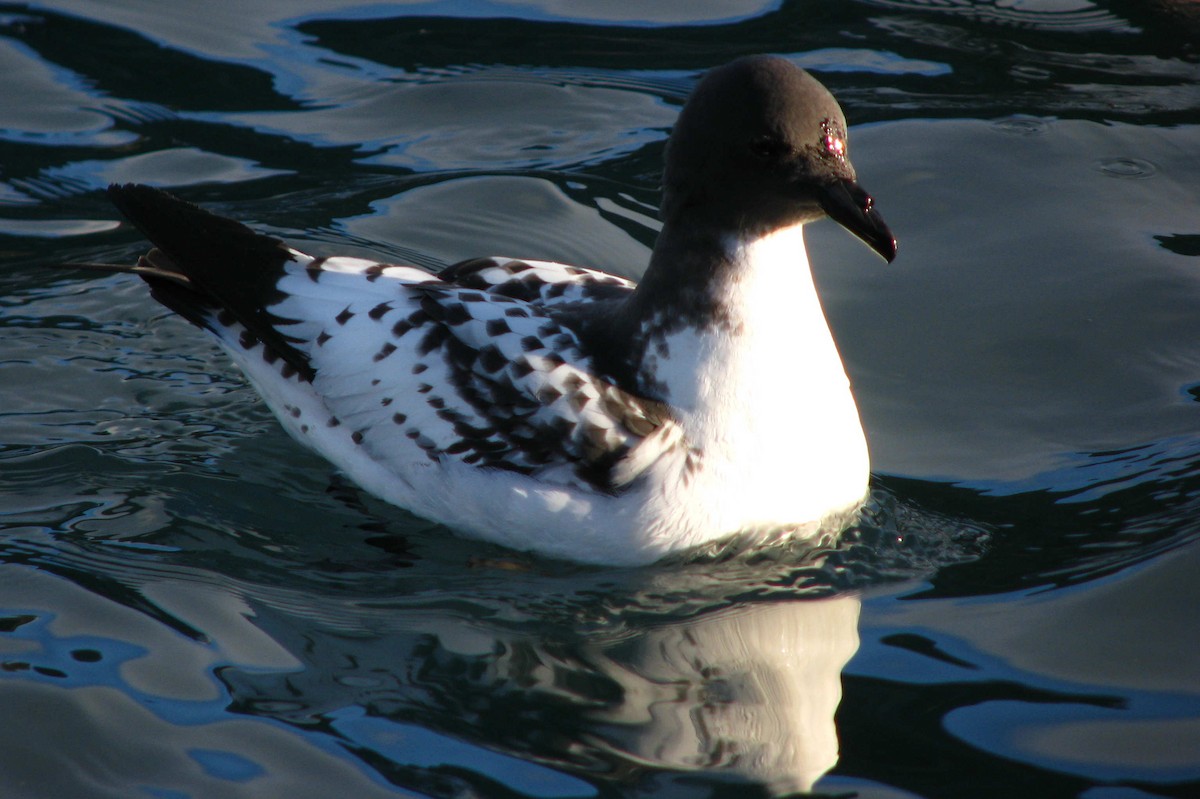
(192,606)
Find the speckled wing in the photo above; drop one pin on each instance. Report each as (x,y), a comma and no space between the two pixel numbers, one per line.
(402,365)
(543,283)
(405,360)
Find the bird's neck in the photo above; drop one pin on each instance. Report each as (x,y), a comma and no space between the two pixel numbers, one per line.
(730,316)
(750,368)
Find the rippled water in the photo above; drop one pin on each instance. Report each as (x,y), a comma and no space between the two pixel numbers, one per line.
(190,605)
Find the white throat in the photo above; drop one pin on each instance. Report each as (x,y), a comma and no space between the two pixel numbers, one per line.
(765,398)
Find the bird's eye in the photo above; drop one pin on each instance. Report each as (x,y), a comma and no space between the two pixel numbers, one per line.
(769,149)
(834,140)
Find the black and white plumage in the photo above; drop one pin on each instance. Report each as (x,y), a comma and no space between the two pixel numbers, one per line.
(561,409)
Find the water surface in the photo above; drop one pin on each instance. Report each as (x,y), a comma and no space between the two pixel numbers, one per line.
(193,606)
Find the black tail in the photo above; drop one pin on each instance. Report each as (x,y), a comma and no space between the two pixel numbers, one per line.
(222,258)
(229,272)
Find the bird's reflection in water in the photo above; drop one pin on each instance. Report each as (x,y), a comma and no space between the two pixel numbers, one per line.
(750,691)
(445,679)
(674,674)
(728,672)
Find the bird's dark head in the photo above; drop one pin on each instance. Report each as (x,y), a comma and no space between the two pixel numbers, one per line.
(762,144)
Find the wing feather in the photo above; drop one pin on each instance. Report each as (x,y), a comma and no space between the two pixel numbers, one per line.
(461,373)
(473,365)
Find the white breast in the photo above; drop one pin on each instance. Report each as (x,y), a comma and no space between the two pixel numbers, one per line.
(766,401)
